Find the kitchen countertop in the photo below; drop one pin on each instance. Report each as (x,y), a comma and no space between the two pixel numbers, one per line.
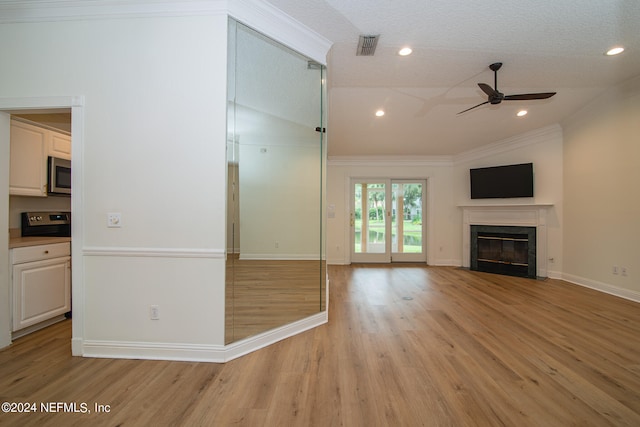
(21,242)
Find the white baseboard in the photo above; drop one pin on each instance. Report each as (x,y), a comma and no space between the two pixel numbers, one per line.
(193,352)
(552,274)
(602,287)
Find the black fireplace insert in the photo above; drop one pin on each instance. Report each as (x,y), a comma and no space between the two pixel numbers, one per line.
(509,250)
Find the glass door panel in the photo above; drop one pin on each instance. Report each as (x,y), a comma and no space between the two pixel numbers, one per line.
(370,221)
(387,220)
(407,231)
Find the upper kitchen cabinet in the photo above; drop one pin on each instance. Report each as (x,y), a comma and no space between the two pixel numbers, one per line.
(30,147)
(60,145)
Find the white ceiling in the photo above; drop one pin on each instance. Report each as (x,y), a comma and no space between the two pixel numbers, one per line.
(545,45)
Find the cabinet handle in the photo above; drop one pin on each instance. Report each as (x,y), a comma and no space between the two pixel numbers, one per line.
(46,252)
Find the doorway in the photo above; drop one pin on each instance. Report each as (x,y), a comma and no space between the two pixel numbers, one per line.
(34,105)
(386,220)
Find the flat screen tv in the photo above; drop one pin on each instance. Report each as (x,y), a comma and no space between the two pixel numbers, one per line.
(502,182)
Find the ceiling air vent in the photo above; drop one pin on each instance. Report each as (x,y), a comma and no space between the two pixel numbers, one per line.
(367,45)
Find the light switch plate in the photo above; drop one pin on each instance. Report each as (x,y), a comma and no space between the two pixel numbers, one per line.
(114,220)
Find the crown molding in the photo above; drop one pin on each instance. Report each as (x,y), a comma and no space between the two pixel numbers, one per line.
(390,161)
(529,138)
(272,22)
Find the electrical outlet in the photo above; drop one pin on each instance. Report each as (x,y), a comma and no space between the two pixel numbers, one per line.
(154,312)
(114,220)
(614,269)
(623,271)
(277,244)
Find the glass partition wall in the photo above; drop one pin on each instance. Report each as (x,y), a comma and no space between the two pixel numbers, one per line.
(276,172)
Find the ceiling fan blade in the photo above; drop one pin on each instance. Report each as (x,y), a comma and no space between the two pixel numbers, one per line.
(487,89)
(528,96)
(475,106)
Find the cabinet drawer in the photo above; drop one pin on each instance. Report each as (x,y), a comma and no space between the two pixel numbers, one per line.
(40,252)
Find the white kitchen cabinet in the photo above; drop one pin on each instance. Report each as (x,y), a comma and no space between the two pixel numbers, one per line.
(28,167)
(41,283)
(60,146)
(31,145)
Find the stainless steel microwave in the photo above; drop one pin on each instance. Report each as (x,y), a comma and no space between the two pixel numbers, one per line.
(59,182)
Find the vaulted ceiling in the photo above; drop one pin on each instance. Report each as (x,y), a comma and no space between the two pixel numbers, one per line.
(545,45)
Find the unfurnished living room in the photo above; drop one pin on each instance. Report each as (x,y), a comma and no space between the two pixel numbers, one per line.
(318,212)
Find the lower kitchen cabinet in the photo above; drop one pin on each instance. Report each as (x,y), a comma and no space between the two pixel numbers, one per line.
(41,283)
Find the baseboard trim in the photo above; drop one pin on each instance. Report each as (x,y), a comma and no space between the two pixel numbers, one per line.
(602,287)
(193,352)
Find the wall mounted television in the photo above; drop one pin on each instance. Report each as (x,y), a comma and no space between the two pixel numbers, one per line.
(502,182)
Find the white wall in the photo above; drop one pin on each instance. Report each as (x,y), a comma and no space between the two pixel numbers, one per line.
(280,202)
(602,200)
(154,150)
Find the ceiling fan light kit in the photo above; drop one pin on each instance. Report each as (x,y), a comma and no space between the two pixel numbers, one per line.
(494,96)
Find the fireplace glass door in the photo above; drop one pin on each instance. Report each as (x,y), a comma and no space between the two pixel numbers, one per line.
(504,250)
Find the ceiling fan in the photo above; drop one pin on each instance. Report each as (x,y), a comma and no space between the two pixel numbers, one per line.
(496,97)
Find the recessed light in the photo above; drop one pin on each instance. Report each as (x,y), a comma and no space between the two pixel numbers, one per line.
(405,51)
(521,113)
(380,113)
(615,51)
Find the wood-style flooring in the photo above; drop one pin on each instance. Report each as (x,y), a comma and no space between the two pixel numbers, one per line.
(265,294)
(405,345)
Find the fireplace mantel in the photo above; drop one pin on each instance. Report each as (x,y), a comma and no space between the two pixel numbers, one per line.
(526,215)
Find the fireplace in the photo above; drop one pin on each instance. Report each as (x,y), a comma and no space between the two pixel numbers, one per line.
(509,250)
(533,216)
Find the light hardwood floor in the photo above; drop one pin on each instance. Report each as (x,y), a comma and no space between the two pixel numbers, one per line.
(464,349)
(265,294)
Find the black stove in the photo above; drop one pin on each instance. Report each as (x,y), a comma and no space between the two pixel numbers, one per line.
(54,224)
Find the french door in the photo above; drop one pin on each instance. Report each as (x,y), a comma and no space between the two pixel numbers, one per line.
(386,220)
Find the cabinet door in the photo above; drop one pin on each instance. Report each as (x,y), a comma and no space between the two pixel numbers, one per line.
(41,290)
(60,146)
(28,167)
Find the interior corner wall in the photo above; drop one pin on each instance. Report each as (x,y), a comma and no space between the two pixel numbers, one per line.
(543,148)
(154,141)
(602,201)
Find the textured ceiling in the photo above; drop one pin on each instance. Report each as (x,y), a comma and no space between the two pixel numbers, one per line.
(546,45)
